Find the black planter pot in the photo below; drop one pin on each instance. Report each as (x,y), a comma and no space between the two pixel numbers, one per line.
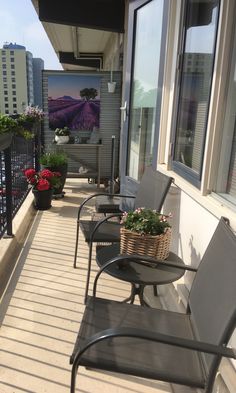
(42,199)
(5,140)
(63,171)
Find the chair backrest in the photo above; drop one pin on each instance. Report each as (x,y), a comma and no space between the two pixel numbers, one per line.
(212,299)
(152,189)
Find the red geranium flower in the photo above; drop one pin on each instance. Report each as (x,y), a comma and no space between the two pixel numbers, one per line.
(46,174)
(43,180)
(42,185)
(33,180)
(30,173)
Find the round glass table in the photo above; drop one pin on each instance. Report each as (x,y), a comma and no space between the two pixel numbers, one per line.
(139,274)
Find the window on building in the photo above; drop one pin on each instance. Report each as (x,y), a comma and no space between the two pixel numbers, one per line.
(14,105)
(226,180)
(13,73)
(12,59)
(5,86)
(6,105)
(13,79)
(4,72)
(145,89)
(12,66)
(5,99)
(15,111)
(195,87)
(3,52)
(14,99)
(4,79)
(4,59)
(13,86)
(12,52)
(4,66)
(7,111)
(5,92)
(13,93)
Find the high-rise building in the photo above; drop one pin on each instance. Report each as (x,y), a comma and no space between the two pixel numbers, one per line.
(16,79)
(38,66)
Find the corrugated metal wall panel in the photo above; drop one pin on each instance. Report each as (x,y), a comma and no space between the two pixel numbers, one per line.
(109,124)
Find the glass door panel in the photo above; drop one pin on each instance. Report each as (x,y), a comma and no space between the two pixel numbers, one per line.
(145,94)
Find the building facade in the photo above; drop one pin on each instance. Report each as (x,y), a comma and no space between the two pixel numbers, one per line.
(17,79)
(38,66)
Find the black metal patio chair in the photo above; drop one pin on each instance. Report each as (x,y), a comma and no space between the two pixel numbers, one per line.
(169,346)
(151,193)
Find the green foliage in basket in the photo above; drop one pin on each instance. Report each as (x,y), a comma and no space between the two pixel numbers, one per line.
(146,222)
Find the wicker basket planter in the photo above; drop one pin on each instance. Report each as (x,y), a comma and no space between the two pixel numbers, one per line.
(153,246)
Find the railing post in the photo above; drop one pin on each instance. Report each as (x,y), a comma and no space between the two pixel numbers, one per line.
(8,185)
(112,180)
(37,146)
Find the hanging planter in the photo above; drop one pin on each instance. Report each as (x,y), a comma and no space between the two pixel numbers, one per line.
(111,87)
(5,140)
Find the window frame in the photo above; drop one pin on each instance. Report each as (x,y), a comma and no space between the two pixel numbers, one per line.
(179,168)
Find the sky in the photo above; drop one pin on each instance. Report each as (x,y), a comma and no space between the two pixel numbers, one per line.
(19,24)
(70,85)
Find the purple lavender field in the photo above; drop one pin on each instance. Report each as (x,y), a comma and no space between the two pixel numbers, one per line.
(77,114)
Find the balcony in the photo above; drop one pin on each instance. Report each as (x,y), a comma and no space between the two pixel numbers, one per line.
(42,307)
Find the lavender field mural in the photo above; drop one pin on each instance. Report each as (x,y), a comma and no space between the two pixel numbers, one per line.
(74,101)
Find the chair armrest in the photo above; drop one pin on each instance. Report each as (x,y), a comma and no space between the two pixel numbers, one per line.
(100,222)
(195,345)
(88,199)
(101,194)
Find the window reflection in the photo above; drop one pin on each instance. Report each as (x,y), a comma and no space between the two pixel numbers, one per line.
(198,57)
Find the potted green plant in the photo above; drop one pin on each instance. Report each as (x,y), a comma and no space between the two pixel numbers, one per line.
(145,232)
(7,127)
(56,162)
(42,183)
(62,135)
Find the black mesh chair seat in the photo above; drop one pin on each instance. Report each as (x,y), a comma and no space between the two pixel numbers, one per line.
(108,232)
(132,356)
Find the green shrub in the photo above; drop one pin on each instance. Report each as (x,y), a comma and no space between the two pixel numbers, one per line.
(53,159)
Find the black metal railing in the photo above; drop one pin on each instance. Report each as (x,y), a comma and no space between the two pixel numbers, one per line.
(13,185)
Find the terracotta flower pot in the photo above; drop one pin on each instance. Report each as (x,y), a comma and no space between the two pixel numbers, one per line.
(42,199)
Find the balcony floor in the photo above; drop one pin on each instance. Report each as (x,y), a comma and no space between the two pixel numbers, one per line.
(43,306)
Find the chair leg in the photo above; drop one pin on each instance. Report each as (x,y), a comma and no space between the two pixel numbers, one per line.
(73,378)
(76,244)
(88,271)
(155,290)
(131,297)
(140,295)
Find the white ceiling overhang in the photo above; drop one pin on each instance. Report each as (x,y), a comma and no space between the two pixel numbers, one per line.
(77,47)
